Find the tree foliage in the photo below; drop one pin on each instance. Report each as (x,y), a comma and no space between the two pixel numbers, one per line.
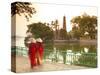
(41,30)
(76,33)
(63,34)
(86,23)
(24,8)
(55,27)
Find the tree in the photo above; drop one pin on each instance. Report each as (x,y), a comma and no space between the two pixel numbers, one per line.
(55,26)
(41,30)
(63,34)
(76,33)
(24,8)
(86,23)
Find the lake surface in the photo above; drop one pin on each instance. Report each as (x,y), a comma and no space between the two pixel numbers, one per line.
(74,47)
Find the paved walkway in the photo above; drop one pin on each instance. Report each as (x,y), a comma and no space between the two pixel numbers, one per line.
(23,65)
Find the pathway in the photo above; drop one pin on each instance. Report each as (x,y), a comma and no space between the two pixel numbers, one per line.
(47,66)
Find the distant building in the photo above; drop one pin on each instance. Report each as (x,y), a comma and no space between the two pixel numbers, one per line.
(64,23)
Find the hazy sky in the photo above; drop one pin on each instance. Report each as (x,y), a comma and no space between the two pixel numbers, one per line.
(50,12)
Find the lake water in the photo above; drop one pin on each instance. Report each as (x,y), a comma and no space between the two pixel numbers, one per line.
(72,46)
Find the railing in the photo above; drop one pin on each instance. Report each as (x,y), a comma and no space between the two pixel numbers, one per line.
(59,56)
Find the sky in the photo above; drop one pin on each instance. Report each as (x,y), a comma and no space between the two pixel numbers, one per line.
(47,12)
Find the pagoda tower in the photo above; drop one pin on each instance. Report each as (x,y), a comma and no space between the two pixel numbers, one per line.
(64,23)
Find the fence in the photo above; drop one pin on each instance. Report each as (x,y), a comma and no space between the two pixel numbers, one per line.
(59,56)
